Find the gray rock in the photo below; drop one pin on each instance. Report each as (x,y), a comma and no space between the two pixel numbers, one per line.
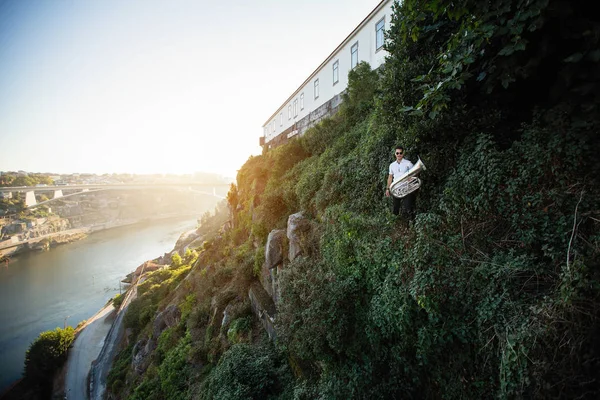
(274,248)
(226,315)
(297,226)
(141,355)
(167,318)
(273,258)
(266,279)
(185,239)
(264,308)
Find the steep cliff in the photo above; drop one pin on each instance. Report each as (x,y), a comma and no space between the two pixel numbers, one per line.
(493,290)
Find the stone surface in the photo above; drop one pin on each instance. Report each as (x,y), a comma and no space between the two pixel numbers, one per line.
(297,226)
(185,240)
(273,258)
(264,308)
(274,248)
(276,295)
(144,348)
(226,315)
(266,279)
(141,352)
(167,318)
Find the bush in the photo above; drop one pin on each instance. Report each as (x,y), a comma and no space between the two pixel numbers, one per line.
(47,354)
(174,372)
(247,372)
(118,371)
(118,300)
(176,260)
(238,328)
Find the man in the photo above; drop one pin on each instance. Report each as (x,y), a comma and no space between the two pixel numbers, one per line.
(397,169)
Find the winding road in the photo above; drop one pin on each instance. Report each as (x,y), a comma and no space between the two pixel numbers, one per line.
(85,349)
(101,368)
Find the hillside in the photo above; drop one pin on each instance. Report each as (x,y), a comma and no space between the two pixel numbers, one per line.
(493,290)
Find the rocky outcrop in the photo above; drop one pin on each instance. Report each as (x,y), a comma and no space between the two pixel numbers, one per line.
(185,240)
(297,227)
(264,308)
(226,315)
(274,250)
(264,298)
(274,256)
(167,318)
(142,350)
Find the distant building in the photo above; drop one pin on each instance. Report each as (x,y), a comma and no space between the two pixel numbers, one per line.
(319,96)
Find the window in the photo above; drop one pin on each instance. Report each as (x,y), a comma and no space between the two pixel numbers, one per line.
(290,111)
(280,119)
(336,72)
(302,102)
(354,55)
(379,29)
(295,108)
(316,89)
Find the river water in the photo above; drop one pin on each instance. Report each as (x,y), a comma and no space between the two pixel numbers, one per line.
(70,283)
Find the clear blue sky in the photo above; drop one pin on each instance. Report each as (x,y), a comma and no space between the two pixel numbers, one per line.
(145,86)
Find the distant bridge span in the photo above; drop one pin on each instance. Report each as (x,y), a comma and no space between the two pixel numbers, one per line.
(30,201)
(112,186)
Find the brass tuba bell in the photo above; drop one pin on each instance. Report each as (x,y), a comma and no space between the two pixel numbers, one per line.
(408,182)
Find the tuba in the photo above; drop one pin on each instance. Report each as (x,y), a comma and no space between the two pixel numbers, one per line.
(408,182)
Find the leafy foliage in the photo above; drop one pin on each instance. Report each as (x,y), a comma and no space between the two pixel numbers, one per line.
(46,355)
(118,300)
(474,297)
(247,372)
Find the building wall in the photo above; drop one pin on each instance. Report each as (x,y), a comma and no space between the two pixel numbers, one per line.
(280,126)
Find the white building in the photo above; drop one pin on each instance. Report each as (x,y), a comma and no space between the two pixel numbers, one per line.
(320,94)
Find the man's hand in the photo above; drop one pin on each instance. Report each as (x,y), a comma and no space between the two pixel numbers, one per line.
(387,192)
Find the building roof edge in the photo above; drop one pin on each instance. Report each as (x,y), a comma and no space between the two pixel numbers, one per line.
(329,57)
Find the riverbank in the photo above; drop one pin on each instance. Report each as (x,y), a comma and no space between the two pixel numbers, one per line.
(48,241)
(71,380)
(45,289)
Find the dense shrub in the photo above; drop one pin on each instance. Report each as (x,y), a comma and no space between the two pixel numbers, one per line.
(248,372)
(118,300)
(46,355)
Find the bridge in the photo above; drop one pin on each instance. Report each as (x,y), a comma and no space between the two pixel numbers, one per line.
(30,201)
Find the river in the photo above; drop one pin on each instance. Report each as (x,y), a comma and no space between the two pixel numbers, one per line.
(44,290)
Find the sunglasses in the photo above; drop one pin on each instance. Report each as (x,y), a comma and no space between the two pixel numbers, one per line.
(398,153)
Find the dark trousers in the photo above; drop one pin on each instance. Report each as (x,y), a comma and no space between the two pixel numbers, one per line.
(407,203)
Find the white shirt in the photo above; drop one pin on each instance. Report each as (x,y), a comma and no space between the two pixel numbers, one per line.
(400,168)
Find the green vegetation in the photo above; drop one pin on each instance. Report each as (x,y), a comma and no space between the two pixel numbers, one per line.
(45,356)
(10,180)
(492,291)
(16,205)
(118,300)
(247,372)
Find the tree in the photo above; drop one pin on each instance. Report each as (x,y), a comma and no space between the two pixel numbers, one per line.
(176,260)
(362,88)
(46,354)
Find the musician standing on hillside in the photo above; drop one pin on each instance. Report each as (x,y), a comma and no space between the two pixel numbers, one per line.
(397,169)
